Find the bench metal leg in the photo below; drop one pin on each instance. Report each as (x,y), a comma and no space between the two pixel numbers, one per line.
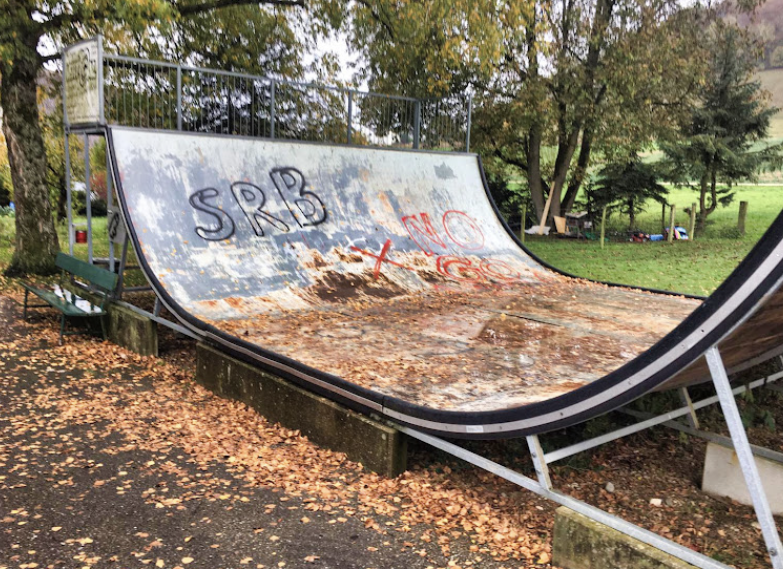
(62,327)
(103,326)
(26,294)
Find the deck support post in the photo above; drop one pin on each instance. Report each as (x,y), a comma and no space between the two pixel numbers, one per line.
(539,461)
(745,456)
(685,399)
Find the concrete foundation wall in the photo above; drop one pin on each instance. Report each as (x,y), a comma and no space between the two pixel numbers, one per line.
(581,543)
(132,330)
(378,447)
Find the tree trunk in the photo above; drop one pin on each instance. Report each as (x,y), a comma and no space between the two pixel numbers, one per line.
(36,238)
(703,188)
(534,180)
(62,198)
(582,164)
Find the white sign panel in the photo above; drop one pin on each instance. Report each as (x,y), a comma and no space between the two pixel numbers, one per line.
(81,83)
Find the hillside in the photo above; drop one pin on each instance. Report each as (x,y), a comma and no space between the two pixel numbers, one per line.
(772,81)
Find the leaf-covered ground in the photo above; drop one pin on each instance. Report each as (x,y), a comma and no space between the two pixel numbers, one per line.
(108,459)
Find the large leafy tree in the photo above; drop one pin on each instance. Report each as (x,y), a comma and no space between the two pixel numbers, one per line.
(721,141)
(196,29)
(557,81)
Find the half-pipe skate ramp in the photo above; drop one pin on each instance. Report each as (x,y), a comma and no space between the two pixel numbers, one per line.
(386,279)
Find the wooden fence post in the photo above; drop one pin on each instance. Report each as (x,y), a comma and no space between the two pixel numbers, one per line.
(743,213)
(524,221)
(663,217)
(603,226)
(671,225)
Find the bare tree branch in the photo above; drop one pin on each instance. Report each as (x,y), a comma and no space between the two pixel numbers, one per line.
(378,17)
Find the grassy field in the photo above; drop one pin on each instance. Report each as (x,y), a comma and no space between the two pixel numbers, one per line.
(100,245)
(695,267)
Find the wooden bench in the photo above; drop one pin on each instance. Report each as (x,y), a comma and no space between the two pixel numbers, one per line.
(68,303)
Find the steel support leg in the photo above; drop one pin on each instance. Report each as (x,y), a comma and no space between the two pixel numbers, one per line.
(648,537)
(745,456)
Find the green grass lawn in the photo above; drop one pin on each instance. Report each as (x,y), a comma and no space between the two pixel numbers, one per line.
(100,245)
(695,267)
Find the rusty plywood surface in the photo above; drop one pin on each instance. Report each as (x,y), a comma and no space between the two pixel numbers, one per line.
(388,269)
(476,350)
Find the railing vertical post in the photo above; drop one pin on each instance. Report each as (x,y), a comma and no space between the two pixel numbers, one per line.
(88,195)
(467,127)
(417,125)
(272,110)
(109,205)
(67,157)
(101,102)
(179,97)
(350,114)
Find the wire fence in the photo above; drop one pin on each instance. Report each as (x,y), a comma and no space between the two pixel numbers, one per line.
(160,95)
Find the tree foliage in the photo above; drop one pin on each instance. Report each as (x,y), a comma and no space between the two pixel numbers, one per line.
(557,81)
(721,141)
(626,186)
(236,34)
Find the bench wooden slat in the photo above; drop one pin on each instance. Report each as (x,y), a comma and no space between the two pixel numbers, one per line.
(107,280)
(60,303)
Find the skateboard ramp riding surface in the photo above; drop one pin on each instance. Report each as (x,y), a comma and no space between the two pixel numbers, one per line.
(386,279)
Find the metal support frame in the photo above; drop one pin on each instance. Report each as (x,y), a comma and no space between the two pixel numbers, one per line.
(272,89)
(109,204)
(157,318)
(467,127)
(745,456)
(581,446)
(417,125)
(600,516)
(121,274)
(88,195)
(762,452)
(179,97)
(542,485)
(350,116)
(68,196)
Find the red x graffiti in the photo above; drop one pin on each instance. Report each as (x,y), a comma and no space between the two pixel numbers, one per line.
(381,258)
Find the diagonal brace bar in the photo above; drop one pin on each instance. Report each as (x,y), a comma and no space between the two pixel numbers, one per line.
(748,465)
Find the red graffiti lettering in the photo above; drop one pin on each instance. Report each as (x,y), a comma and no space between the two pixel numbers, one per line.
(499,270)
(426,233)
(459,268)
(463,230)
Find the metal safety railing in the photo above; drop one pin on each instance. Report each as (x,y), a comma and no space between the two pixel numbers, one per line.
(170,96)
